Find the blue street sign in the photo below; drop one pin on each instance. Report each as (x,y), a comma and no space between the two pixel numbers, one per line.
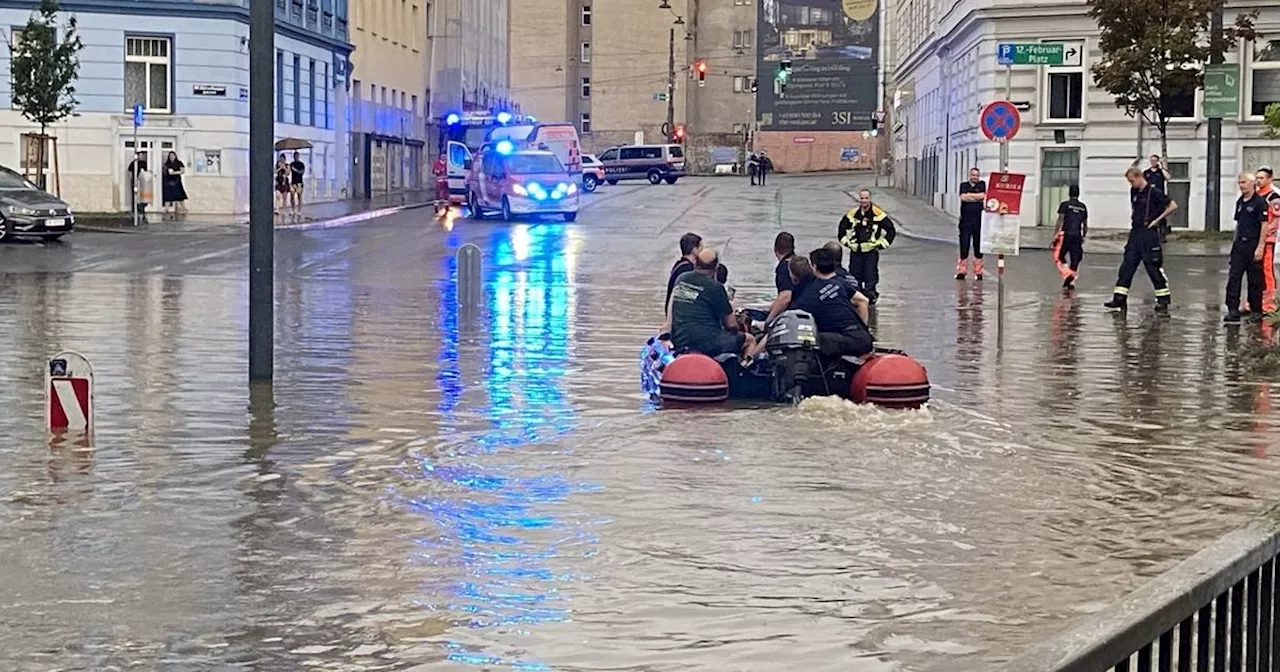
(1004,56)
(137,116)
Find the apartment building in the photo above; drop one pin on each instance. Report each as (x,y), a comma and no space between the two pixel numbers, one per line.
(1072,133)
(187,63)
(469,64)
(390,83)
(608,66)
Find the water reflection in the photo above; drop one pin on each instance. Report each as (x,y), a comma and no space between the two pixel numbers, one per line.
(496,554)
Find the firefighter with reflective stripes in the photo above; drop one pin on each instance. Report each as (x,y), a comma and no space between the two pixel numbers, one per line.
(1150,207)
(866,230)
(1268,191)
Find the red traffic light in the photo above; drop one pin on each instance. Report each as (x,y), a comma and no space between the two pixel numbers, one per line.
(679,133)
(702,67)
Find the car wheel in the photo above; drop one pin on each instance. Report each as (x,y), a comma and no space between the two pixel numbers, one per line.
(655,177)
(570,216)
(589,183)
(506,209)
(474,203)
(611,182)
(672,180)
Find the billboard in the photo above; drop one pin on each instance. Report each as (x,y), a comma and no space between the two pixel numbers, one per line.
(834,50)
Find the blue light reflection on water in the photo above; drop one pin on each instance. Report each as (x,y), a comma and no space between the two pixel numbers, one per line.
(498,528)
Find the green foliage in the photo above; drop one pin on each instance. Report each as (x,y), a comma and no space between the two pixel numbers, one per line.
(1271,118)
(45,67)
(1154,49)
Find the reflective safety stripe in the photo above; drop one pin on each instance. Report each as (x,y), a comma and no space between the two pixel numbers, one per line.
(1122,291)
(1163,292)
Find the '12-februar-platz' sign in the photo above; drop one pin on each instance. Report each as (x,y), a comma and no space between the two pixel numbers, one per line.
(833,50)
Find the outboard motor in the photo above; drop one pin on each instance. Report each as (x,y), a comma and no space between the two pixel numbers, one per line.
(793,354)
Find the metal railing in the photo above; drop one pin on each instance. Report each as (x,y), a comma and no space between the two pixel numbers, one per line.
(1216,611)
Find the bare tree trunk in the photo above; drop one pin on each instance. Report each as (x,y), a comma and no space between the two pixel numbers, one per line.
(40,178)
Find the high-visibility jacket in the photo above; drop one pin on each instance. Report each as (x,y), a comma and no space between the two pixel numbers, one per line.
(866,230)
(1272,197)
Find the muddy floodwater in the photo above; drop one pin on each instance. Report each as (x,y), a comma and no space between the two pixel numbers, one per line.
(427,491)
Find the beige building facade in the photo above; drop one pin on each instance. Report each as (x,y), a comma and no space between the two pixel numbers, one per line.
(390,80)
(605,66)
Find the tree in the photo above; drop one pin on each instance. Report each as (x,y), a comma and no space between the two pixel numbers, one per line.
(1154,50)
(1272,121)
(44,71)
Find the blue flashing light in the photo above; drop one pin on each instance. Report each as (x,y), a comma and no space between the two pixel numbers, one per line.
(453,119)
(530,119)
(504,117)
(504,147)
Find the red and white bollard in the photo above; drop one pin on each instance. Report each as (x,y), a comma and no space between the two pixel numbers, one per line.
(68,388)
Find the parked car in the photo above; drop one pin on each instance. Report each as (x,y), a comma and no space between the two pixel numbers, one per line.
(27,211)
(592,172)
(655,163)
(520,182)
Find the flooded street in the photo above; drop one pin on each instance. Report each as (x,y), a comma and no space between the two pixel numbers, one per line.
(427,491)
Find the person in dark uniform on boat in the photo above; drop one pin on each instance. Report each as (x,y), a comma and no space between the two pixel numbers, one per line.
(690,243)
(784,248)
(840,317)
(701,315)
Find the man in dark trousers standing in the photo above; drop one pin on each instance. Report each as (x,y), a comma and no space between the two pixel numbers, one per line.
(972,195)
(866,230)
(1149,207)
(1156,174)
(1073,226)
(1247,249)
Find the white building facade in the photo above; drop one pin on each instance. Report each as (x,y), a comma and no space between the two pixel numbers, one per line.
(187,63)
(1072,133)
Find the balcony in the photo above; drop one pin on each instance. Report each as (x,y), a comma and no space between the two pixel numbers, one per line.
(370,117)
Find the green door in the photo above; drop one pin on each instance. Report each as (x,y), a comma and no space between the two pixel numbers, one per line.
(1059,169)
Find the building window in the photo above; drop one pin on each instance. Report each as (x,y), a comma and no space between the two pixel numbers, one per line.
(1264,76)
(742,3)
(280,86)
(311,89)
(586,87)
(297,89)
(325,86)
(586,15)
(740,84)
(584,124)
(146,73)
(742,39)
(1178,104)
(1064,86)
(586,52)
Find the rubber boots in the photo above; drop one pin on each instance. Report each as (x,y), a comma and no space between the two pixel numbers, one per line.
(977,269)
(962,265)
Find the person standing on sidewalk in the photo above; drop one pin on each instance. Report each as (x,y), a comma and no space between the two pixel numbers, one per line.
(764,166)
(1268,191)
(753,167)
(866,230)
(1150,207)
(1247,249)
(1072,227)
(972,195)
(297,169)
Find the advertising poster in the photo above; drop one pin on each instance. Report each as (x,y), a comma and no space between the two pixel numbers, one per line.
(833,48)
(1004,193)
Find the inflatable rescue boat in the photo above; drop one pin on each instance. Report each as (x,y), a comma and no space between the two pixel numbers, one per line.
(790,369)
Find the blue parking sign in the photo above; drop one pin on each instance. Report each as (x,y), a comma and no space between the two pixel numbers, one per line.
(137,115)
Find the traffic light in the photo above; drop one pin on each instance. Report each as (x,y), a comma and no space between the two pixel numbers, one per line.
(701,68)
(678,134)
(755,84)
(783,76)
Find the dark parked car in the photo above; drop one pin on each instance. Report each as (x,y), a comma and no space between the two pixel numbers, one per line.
(27,211)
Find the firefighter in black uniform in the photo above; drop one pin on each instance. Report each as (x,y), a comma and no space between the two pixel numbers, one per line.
(1150,207)
(1248,248)
(1073,226)
(866,230)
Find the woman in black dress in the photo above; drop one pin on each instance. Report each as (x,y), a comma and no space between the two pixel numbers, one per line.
(282,183)
(171,189)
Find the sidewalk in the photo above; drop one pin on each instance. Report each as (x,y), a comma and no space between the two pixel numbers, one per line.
(918,220)
(318,215)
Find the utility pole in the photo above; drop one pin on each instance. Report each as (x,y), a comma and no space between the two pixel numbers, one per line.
(262,48)
(671,86)
(1213,179)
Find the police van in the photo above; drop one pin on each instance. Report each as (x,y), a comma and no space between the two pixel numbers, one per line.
(656,163)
